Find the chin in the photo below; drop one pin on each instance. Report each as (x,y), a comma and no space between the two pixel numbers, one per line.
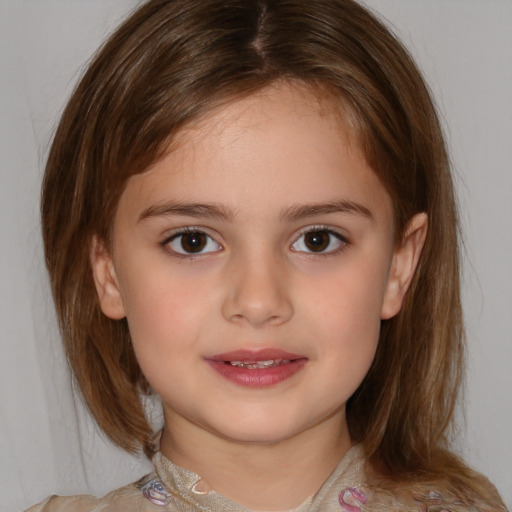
(260,431)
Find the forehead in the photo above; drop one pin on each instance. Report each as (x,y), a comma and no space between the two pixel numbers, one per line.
(282,100)
(282,144)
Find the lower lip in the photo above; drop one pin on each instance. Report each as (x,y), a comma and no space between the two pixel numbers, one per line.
(260,377)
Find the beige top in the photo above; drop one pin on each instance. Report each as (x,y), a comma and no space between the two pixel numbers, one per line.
(171,488)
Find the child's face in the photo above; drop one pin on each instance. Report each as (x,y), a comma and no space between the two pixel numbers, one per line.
(254,264)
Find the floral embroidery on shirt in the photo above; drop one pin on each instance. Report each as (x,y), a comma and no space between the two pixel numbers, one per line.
(351,499)
(154,491)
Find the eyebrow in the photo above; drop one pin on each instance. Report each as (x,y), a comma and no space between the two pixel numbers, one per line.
(197,210)
(214,210)
(311,210)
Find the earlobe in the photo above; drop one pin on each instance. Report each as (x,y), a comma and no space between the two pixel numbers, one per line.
(105,280)
(403,266)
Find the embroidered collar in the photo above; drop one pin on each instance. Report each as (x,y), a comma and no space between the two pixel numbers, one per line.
(343,490)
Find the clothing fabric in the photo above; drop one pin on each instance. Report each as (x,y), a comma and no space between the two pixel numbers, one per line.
(171,488)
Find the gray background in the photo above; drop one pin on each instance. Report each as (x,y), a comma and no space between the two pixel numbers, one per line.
(47,443)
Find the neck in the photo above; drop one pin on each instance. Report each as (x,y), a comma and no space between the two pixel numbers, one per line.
(271,477)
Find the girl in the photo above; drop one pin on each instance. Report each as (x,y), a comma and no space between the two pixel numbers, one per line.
(248,210)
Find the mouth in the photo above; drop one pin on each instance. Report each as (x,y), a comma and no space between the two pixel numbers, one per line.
(256,369)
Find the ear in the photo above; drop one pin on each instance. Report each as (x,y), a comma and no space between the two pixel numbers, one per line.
(403,265)
(105,280)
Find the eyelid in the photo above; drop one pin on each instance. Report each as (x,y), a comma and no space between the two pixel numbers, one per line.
(176,233)
(344,241)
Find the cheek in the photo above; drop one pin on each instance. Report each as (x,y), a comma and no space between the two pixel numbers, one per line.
(164,315)
(346,312)
(165,332)
(349,299)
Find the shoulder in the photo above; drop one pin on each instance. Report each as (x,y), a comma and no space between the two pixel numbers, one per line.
(125,499)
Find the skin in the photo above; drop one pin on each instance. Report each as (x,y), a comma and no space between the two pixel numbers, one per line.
(258,164)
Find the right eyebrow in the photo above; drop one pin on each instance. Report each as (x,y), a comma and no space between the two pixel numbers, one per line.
(197,210)
(300,211)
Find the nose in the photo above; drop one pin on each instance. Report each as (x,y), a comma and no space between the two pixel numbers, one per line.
(258,293)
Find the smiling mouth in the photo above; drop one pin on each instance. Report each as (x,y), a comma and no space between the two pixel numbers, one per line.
(257,369)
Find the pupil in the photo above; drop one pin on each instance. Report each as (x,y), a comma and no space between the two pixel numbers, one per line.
(193,242)
(317,241)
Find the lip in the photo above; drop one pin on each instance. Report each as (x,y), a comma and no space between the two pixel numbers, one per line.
(289,365)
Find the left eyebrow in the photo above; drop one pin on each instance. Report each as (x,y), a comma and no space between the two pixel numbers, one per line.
(310,210)
(197,210)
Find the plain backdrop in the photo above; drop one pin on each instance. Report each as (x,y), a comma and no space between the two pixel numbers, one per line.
(47,442)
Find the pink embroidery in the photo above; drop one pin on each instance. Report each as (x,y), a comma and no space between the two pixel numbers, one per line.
(349,499)
(155,492)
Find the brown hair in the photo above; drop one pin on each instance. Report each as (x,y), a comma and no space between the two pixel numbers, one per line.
(171,62)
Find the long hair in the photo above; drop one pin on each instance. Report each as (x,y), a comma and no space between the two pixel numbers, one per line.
(173,61)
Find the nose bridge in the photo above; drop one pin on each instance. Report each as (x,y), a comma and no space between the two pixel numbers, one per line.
(258,290)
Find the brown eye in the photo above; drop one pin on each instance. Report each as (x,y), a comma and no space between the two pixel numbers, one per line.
(192,242)
(319,241)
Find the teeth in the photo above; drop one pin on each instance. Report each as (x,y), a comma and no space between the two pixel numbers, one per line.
(258,365)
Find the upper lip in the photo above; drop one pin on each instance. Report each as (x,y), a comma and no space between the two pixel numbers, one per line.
(252,356)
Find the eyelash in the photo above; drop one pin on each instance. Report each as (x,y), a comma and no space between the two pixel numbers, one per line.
(184,231)
(343,242)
